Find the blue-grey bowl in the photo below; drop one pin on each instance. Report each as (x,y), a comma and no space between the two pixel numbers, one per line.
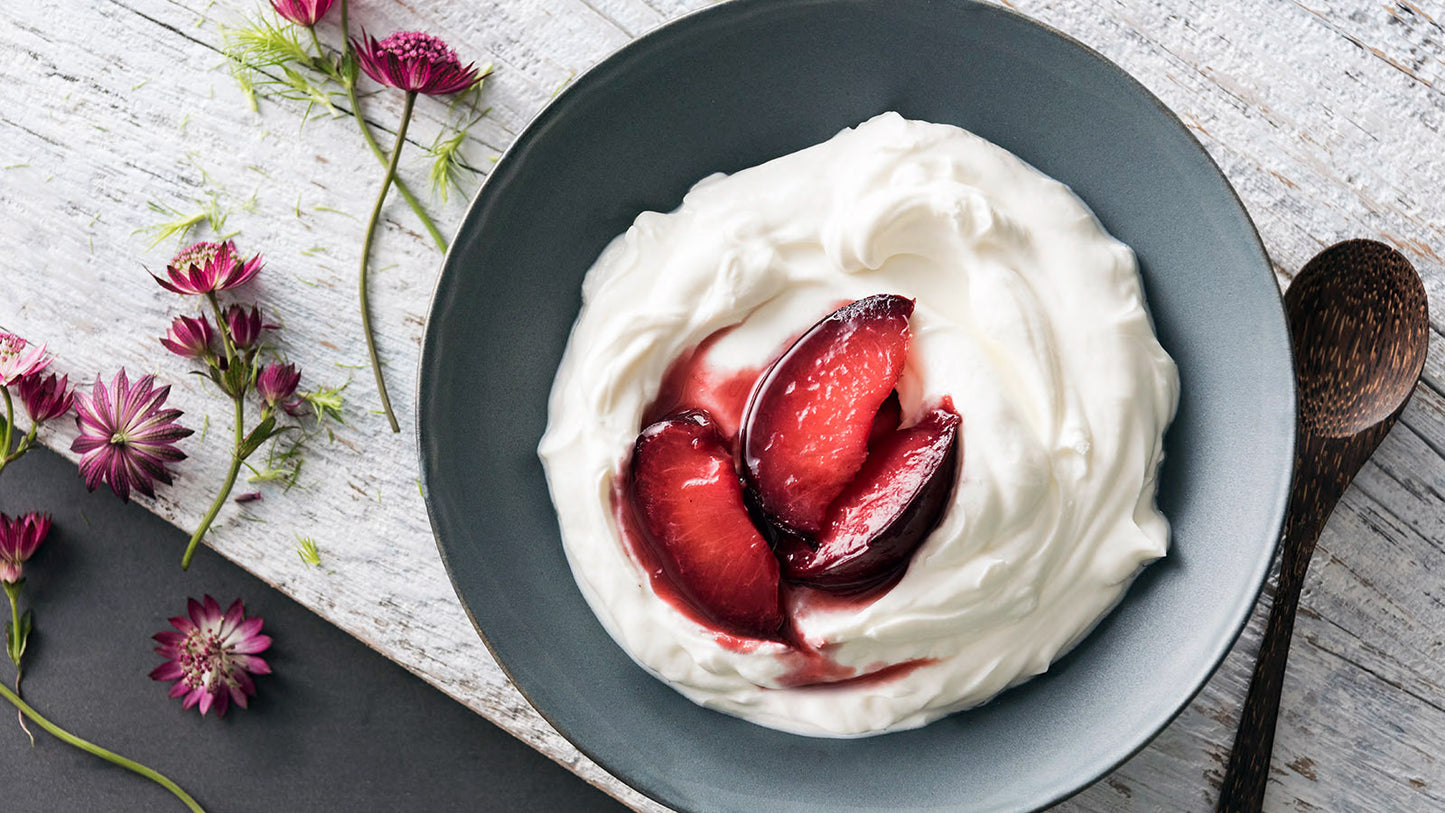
(735,85)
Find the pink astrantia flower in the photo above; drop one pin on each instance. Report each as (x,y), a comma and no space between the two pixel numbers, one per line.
(277,382)
(18,540)
(212,655)
(302,12)
(245,326)
(126,439)
(189,337)
(414,62)
(19,359)
(205,268)
(47,398)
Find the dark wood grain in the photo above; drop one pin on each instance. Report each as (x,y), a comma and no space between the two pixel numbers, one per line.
(1359,319)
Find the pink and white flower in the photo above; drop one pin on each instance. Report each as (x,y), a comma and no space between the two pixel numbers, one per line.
(414,62)
(211,655)
(19,359)
(126,438)
(206,268)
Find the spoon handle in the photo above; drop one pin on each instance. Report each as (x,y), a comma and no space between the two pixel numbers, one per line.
(1248,770)
(1321,475)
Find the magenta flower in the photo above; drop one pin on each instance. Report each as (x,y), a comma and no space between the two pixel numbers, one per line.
(277,382)
(45,398)
(212,655)
(414,62)
(16,362)
(304,13)
(245,326)
(206,268)
(126,439)
(18,540)
(189,337)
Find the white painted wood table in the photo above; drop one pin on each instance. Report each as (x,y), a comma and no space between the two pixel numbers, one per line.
(1326,115)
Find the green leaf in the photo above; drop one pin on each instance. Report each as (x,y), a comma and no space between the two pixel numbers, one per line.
(350,69)
(259,43)
(27,622)
(306,549)
(450,167)
(211,374)
(326,402)
(235,379)
(177,223)
(283,463)
(263,432)
(13,647)
(268,59)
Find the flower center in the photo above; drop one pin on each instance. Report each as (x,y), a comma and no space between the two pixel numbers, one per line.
(200,254)
(415,46)
(10,347)
(206,661)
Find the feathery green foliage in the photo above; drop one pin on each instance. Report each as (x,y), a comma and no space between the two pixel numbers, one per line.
(306,549)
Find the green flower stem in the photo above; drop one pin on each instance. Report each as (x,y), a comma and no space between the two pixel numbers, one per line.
(316,41)
(90,747)
(12,590)
(221,326)
(13,642)
(406,193)
(6,436)
(6,455)
(233,356)
(236,460)
(25,442)
(348,81)
(366,258)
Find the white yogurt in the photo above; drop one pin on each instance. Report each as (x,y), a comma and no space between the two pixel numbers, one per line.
(1029,315)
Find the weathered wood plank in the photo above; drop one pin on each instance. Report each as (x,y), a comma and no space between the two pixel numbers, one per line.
(1325,114)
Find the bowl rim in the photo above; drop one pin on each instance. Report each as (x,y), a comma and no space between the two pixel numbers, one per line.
(426,362)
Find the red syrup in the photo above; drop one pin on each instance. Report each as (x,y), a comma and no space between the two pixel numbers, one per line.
(691,383)
(816,671)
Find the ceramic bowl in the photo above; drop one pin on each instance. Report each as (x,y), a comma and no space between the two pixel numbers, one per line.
(735,85)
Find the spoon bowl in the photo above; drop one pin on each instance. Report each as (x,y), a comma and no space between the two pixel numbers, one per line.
(1357,312)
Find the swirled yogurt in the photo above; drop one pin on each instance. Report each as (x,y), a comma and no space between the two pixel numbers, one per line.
(1029,315)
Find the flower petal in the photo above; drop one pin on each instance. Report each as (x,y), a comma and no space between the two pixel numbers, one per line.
(170,670)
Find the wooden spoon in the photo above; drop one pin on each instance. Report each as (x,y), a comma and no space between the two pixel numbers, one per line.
(1358,316)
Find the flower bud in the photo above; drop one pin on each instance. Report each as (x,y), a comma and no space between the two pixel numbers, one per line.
(189,337)
(305,13)
(45,398)
(245,326)
(18,540)
(277,382)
